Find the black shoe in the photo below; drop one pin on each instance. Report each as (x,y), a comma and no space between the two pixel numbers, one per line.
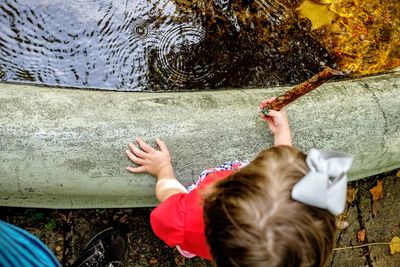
(106,249)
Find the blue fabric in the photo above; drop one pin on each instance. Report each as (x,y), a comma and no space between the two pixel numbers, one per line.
(20,248)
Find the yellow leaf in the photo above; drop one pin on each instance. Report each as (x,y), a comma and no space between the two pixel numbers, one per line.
(317,13)
(394,245)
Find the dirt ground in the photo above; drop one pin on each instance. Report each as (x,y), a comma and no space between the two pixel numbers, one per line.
(67,231)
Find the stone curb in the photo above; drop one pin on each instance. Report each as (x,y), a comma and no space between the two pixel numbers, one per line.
(63,148)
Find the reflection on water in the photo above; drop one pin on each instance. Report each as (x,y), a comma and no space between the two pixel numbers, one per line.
(176,44)
(364,35)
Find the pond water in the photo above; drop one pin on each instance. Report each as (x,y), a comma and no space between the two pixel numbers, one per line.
(149,45)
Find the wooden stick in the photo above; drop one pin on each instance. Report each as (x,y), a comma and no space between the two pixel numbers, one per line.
(301,89)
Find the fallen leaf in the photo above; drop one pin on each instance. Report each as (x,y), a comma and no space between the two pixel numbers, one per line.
(377,191)
(376,194)
(351,194)
(375,207)
(63,217)
(317,13)
(394,245)
(398,174)
(361,235)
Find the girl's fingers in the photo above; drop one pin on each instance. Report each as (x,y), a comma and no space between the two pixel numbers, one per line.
(263,117)
(273,113)
(267,101)
(161,145)
(134,158)
(144,145)
(263,104)
(269,120)
(139,153)
(136,169)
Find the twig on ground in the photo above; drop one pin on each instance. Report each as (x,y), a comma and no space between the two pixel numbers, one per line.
(363,245)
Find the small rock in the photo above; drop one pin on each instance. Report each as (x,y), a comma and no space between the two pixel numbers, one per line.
(153,261)
(341,222)
(180,260)
(123,219)
(342,225)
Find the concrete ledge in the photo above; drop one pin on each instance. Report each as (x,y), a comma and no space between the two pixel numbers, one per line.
(62,148)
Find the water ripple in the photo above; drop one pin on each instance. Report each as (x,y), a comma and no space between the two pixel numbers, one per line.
(153,44)
(177,54)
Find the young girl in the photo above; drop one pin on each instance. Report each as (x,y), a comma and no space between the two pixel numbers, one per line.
(276,210)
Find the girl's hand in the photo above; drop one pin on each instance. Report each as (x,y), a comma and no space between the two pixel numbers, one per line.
(155,162)
(278,123)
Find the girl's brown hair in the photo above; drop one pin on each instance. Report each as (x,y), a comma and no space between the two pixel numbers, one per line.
(251,219)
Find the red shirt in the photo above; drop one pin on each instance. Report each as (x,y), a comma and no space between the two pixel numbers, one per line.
(179,219)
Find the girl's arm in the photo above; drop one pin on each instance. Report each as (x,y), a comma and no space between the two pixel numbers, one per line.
(157,163)
(278,124)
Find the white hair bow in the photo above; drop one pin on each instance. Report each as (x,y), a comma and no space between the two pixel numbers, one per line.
(325,185)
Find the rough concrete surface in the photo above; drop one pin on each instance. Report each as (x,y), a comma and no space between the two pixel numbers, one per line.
(64,148)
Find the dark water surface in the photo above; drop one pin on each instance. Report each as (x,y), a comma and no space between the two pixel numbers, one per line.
(151,45)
